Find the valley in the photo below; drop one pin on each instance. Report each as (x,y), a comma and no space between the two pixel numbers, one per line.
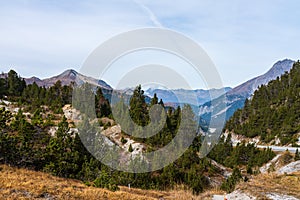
(41,134)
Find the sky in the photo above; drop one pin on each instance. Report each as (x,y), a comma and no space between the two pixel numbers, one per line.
(243,38)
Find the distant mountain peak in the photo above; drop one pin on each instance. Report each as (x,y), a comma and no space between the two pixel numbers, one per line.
(286,60)
(281,66)
(246,89)
(66,78)
(69,73)
(32,80)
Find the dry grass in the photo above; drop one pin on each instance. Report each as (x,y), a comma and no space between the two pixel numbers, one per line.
(179,193)
(26,184)
(273,183)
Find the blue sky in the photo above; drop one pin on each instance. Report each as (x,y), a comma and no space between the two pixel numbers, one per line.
(243,38)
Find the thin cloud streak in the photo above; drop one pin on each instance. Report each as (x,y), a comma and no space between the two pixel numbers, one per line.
(152,16)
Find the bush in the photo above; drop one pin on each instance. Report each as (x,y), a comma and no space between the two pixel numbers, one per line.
(229,184)
(105,181)
(123,140)
(286,157)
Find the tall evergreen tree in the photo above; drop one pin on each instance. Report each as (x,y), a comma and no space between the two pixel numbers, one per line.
(161,103)
(138,107)
(3,87)
(102,104)
(16,85)
(154,100)
(297,155)
(5,118)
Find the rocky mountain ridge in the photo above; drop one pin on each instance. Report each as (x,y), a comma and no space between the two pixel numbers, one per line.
(67,77)
(235,98)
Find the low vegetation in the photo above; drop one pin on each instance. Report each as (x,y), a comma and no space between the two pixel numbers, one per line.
(260,186)
(16,183)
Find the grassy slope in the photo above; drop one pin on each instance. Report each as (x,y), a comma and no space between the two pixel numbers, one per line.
(26,184)
(263,184)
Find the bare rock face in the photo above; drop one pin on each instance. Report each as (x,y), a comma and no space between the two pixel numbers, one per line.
(71,113)
(10,107)
(236,195)
(290,168)
(114,134)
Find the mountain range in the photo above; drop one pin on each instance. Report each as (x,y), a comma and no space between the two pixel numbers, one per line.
(193,97)
(170,97)
(234,98)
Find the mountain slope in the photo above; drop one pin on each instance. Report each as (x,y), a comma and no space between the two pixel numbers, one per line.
(273,112)
(26,184)
(272,186)
(236,97)
(247,89)
(66,78)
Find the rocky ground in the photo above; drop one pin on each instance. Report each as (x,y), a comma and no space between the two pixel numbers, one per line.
(277,181)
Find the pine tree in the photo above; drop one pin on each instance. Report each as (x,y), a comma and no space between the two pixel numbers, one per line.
(63,159)
(297,155)
(138,107)
(3,88)
(37,119)
(130,149)
(20,124)
(229,184)
(154,100)
(102,105)
(8,143)
(5,118)
(16,85)
(161,103)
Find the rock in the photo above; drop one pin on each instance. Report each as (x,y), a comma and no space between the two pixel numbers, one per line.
(266,167)
(52,130)
(236,195)
(275,196)
(290,168)
(71,113)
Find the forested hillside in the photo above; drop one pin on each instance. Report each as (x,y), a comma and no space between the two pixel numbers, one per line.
(26,141)
(273,111)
